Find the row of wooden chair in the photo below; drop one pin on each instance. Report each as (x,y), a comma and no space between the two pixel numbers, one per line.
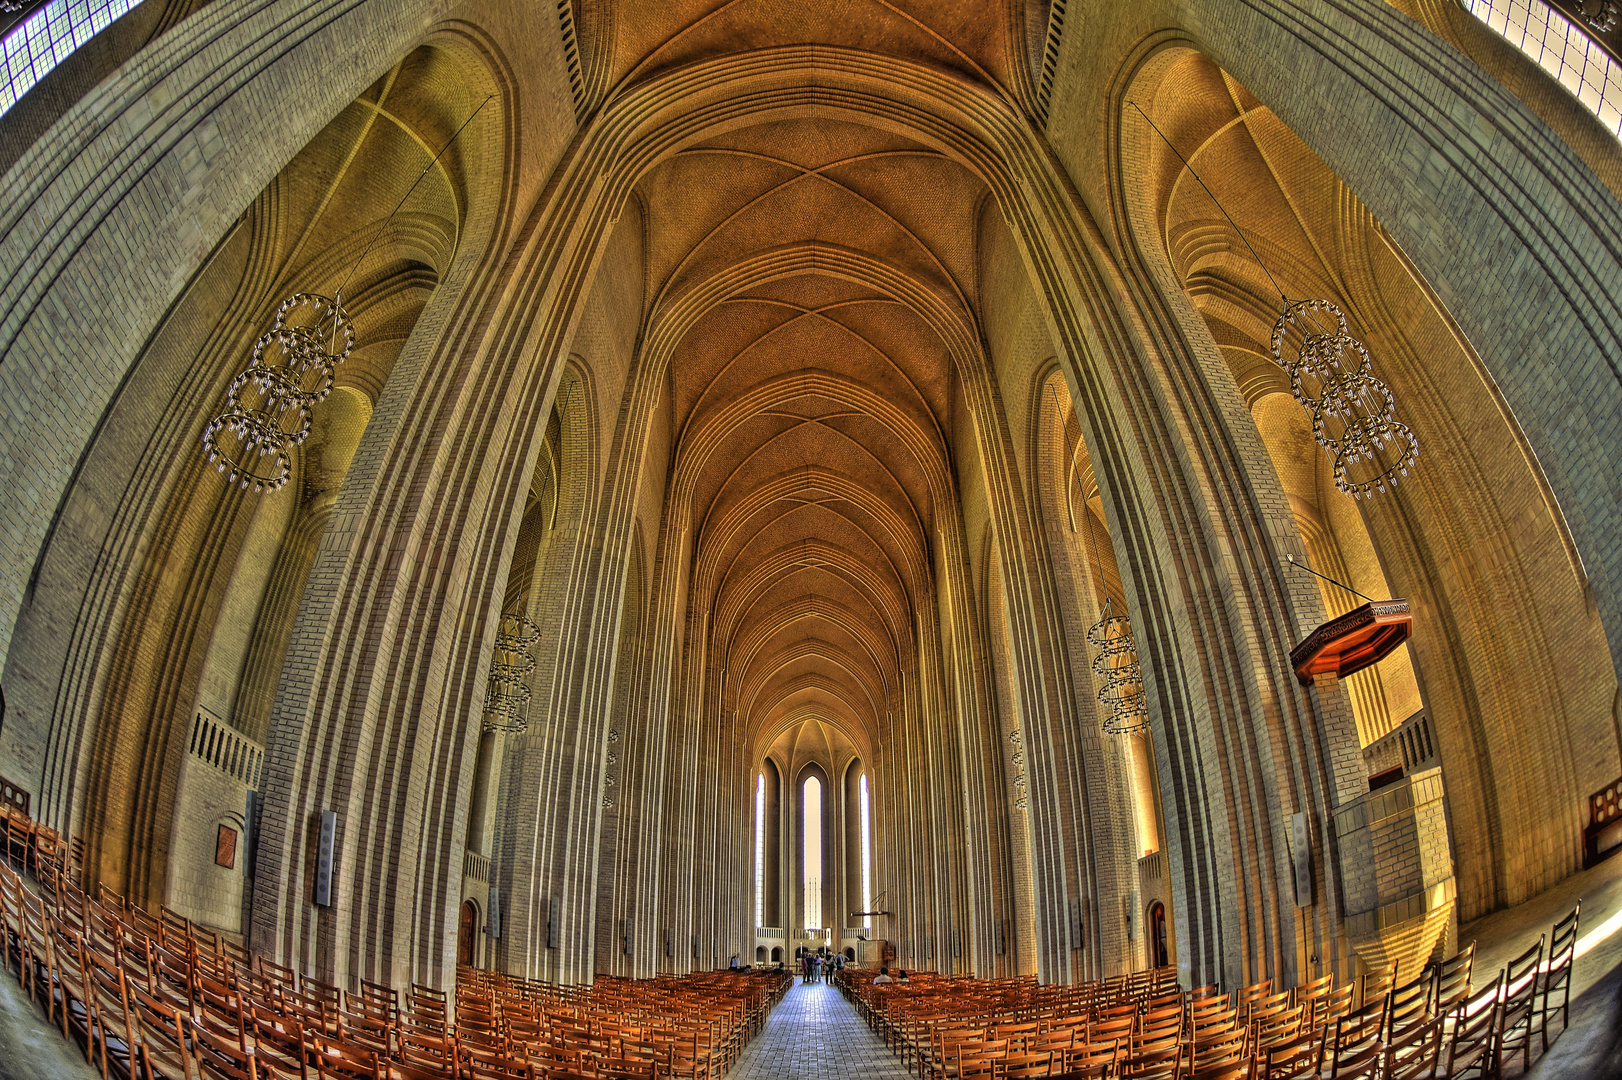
(693,1027)
(160,998)
(1436,1025)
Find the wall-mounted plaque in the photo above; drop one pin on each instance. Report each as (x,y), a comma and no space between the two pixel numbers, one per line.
(225,848)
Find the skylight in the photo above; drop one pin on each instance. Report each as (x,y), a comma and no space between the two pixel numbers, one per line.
(1561,48)
(45,38)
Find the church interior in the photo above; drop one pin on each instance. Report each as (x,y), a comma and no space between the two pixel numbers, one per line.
(567,539)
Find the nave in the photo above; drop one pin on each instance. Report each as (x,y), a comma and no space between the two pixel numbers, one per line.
(537,506)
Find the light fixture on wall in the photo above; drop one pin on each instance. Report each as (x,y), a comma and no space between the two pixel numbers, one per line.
(290,369)
(1332,376)
(506,697)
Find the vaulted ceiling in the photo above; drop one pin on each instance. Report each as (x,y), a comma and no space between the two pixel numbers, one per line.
(815,276)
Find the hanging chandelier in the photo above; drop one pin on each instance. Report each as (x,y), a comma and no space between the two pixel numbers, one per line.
(267,407)
(1331,375)
(1122,697)
(1600,14)
(291,369)
(506,698)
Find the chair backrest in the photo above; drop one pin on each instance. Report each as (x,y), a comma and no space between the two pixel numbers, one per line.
(1475,1026)
(1412,1054)
(219,1055)
(1563,937)
(1366,1064)
(1453,980)
(1252,993)
(1410,1004)
(1357,1031)
(1298,1057)
(340,1059)
(1376,984)
(1520,978)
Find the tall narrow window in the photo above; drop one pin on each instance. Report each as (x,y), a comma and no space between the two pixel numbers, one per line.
(867,858)
(760,849)
(813,853)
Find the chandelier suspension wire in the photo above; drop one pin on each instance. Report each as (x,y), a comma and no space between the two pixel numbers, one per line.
(291,369)
(1331,376)
(1340,585)
(1121,697)
(1197,179)
(401,204)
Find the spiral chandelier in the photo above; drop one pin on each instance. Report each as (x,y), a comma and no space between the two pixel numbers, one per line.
(506,697)
(1331,375)
(1121,695)
(267,407)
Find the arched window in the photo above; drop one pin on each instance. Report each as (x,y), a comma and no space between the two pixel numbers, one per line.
(760,849)
(867,857)
(813,853)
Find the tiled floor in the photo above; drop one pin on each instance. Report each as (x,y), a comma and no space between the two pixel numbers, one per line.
(815,1034)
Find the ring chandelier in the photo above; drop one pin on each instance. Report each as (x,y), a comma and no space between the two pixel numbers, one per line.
(1331,375)
(291,369)
(1122,698)
(267,407)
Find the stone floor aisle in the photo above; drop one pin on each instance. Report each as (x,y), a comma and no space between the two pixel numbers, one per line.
(815,1034)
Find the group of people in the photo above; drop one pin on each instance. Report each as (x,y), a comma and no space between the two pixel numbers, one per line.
(884,976)
(820,966)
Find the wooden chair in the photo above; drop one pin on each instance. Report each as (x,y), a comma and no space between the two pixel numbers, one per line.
(278,1044)
(1410,1005)
(1453,981)
(1475,1031)
(1516,1017)
(220,1057)
(160,1033)
(427,1050)
(394,1070)
(176,928)
(11,916)
(1250,995)
(1093,1061)
(1294,1059)
(1275,1025)
(1332,1007)
(1232,1070)
(1025,1066)
(1557,976)
(1376,984)
(110,899)
(1414,1052)
(68,988)
(113,1020)
(19,842)
(1364,1065)
(1354,1034)
(1157,1062)
(340,1059)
